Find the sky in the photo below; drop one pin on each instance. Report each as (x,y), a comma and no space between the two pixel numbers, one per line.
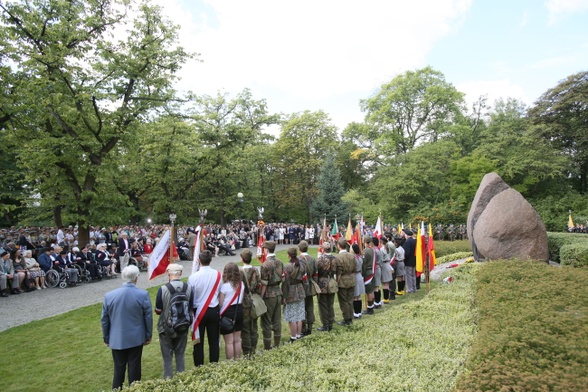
(328,55)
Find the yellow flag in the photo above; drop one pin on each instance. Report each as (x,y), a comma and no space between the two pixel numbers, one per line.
(349,232)
(570,222)
(419,251)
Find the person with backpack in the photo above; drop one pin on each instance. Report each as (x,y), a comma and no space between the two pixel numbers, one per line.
(172,304)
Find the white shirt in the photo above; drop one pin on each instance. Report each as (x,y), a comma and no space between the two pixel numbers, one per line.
(202,283)
(229,292)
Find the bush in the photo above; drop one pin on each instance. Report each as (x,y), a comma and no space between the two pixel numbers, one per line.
(533,328)
(443,248)
(556,240)
(453,257)
(575,254)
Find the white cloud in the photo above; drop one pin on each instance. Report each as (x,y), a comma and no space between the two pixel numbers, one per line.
(308,50)
(493,89)
(558,9)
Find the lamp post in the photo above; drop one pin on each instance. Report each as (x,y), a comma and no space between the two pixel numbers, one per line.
(240,198)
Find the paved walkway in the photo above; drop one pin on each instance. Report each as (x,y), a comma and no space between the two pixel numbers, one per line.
(22,309)
(39,304)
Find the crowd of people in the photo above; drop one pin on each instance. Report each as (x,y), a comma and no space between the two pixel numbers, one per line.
(227,303)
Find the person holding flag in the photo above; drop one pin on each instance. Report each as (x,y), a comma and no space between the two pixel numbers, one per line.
(162,255)
(205,285)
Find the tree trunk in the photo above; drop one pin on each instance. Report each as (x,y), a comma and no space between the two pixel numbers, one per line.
(57,218)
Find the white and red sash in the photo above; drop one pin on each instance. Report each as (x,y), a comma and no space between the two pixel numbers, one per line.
(202,310)
(232,301)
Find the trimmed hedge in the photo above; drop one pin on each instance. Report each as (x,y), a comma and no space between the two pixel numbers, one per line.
(575,254)
(419,345)
(444,248)
(453,257)
(533,335)
(555,241)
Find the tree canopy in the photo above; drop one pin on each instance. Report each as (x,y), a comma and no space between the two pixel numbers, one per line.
(95,133)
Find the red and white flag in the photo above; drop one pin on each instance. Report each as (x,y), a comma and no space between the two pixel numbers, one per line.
(197,249)
(159,259)
(260,241)
(378,230)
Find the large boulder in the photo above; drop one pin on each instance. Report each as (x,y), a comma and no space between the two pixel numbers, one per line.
(503,225)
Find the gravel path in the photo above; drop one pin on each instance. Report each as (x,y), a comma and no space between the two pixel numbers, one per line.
(39,304)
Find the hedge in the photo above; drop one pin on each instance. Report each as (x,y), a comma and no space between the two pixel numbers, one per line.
(533,329)
(444,248)
(419,345)
(575,254)
(555,241)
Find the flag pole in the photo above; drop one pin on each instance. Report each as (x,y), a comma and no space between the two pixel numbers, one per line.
(172,218)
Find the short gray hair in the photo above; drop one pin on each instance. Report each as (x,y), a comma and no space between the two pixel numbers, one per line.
(130,273)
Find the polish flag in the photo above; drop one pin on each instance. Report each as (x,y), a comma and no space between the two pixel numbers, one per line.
(197,249)
(159,259)
(378,230)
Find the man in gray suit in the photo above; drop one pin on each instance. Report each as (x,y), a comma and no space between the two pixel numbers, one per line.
(127,324)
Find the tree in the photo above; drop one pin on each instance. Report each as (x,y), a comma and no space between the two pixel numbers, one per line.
(225,128)
(415,107)
(329,201)
(417,181)
(561,117)
(79,95)
(305,140)
(524,160)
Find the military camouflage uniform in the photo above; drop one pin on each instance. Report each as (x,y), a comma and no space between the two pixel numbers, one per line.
(327,268)
(312,273)
(272,274)
(346,282)
(249,334)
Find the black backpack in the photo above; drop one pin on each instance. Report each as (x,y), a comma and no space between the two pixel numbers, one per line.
(179,317)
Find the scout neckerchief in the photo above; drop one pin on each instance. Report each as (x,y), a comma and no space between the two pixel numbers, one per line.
(368,279)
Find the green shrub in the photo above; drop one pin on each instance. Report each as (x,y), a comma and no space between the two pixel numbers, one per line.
(533,329)
(575,254)
(443,248)
(556,240)
(453,257)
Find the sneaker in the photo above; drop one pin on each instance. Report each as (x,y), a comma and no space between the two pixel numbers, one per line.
(324,328)
(386,301)
(400,292)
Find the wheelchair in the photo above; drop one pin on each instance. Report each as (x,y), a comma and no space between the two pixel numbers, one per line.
(104,271)
(142,263)
(55,278)
(83,273)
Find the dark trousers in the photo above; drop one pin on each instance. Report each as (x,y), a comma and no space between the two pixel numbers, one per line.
(271,321)
(309,312)
(326,309)
(122,358)
(209,323)
(345,296)
(249,336)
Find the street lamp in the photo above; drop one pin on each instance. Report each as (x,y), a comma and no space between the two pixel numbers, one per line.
(240,198)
